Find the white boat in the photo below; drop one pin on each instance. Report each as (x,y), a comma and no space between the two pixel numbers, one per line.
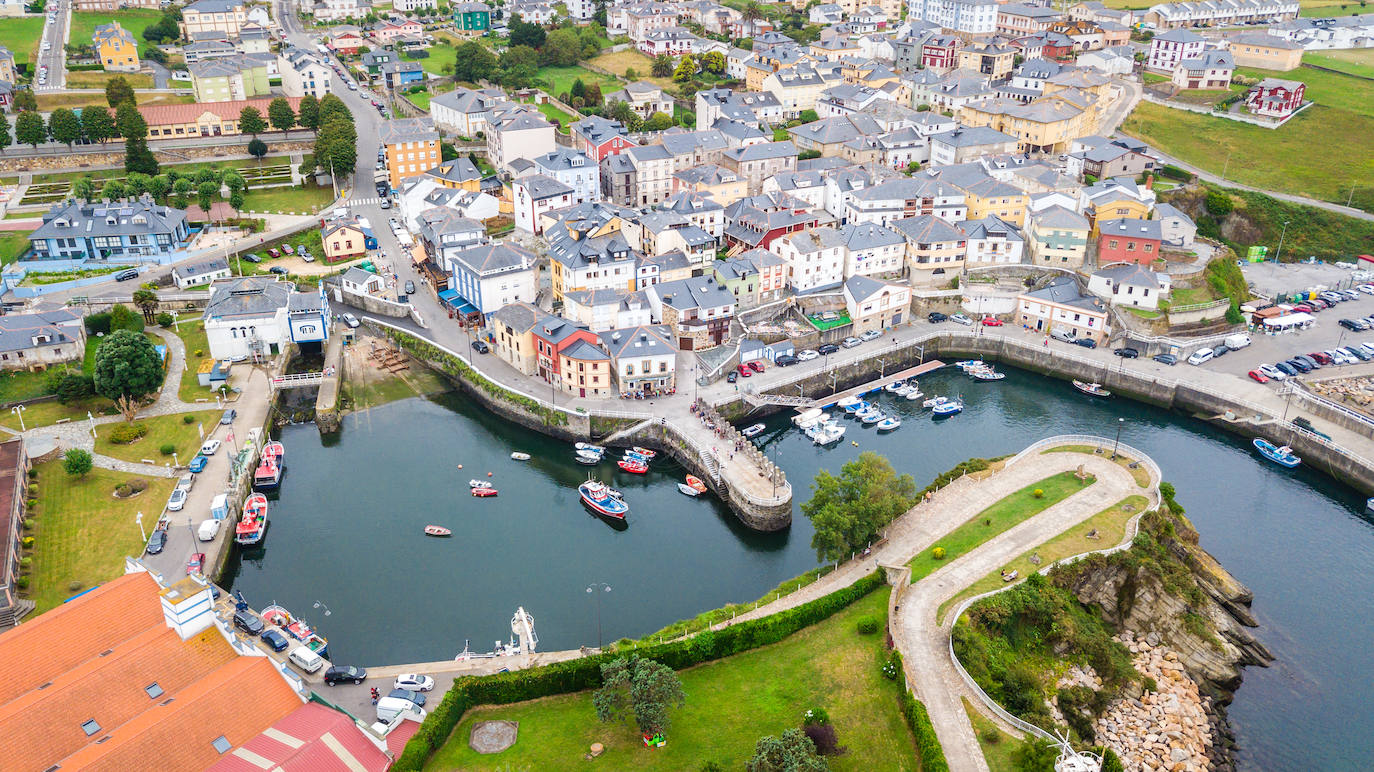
(894,386)
(808,417)
(915,394)
(889,423)
(588,457)
(752,431)
(688,490)
(933,401)
(479,484)
(828,434)
(903,389)
(874,417)
(967,363)
(864,415)
(947,408)
(987,374)
(847,401)
(589,447)
(520,456)
(855,407)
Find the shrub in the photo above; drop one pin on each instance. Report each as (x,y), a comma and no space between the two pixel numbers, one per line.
(1039,493)
(815,716)
(868,625)
(825,738)
(165,319)
(74,586)
(23,583)
(72,387)
(200,352)
(892,668)
(138,484)
(77,462)
(990,735)
(938,553)
(167,449)
(97,324)
(123,434)
(188,419)
(123,490)
(26,561)
(28,541)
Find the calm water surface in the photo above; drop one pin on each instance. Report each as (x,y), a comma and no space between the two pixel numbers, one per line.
(346,531)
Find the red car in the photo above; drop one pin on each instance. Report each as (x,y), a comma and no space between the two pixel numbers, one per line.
(744,371)
(194,564)
(991,321)
(1322,359)
(1258,376)
(756,366)
(273,252)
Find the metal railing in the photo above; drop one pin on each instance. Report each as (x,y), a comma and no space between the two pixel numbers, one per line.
(1294,387)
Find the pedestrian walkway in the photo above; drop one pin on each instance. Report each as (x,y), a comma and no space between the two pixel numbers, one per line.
(363,201)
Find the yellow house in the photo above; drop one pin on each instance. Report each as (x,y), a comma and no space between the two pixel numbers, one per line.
(987,196)
(460,174)
(993,61)
(1108,200)
(115,48)
(1047,124)
(343,241)
(1265,52)
(723,185)
(797,88)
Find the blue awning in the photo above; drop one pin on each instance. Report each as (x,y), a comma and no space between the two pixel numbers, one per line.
(452,299)
(449,297)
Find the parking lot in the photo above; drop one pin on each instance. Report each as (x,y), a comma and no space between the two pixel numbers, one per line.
(1270,279)
(1326,334)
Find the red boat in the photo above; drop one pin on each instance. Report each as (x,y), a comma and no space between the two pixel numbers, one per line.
(630,465)
(437,530)
(696,484)
(645,452)
(483,492)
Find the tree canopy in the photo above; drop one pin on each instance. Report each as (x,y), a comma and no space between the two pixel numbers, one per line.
(793,752)
(251,122)
(848,510)
(97,124)
(336,147)
(473,61)
(308,113)
(77,462)
(640,687)
(118,91)
(522,33)
(127,365)
(64,126)
(29,129)
(129,122)
(280,115)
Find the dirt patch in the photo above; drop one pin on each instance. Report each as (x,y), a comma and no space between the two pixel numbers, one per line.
(493,736)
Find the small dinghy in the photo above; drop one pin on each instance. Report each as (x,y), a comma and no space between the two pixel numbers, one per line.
(645,452)
(588,457)
(873,418)
(933,401)
(437,530)
(893,387)
(696,484)
(914,394)
(688,490)
(889,423)
(589,447)
(633,456)
(478,484)
(1091,389)
(753,431)
(633,466)
(520,456)
(483,493)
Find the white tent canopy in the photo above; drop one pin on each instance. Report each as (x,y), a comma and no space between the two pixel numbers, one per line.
(1289,321)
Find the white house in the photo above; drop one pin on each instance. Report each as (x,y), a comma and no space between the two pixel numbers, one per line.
(303,73)
(1129,284)
(569,167)
(970,17)
(815,258)
(992,241)
(463,111)
(876,305)
(644,358)
(356,281)
(492,276)
(871,249)
(517,131)
(246,318)
(1168,49)
(606,309)
(536,195)
(196,272)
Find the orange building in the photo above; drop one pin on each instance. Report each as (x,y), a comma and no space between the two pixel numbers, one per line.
(412,148)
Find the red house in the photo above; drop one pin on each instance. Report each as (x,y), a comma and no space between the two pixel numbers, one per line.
(1045,45)
(600,137)
(346,44)
(754,228)
(553,338)
(1276,98)
(1129,241)
(941,52)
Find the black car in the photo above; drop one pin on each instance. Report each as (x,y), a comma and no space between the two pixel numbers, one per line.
(480,346)
(252,258)
(1166,359)
(344,674)
(410,287)
(1127,353)
(248,622)
(278,270)
(1349,324)
(1298,365)
(1220,350)
(274,638)
(935,317)
(1085,342)
(405,694)
(1286,369)
(786,360)
(828,348)
(157,541)
(132,273)
(731,377)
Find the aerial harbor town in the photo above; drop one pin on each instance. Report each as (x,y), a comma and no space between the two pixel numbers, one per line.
(687,385)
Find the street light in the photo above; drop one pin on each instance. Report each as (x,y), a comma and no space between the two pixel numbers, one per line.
(140,526)
(1119,422)
(91,418)
(596,588)
(319,604)
(19,411)
(1278,253)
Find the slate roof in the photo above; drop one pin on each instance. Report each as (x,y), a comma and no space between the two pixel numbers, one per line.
(1060,217)
(869,235)
(1132,228)
(521,317)
(1064,291)
(468,101)
(598,130)
(989,227)
(92,220)
(247,296)
(541,187)
(762,151)
(194,268)
(18,330)
(861,287)
(408,130)
(696,292)
(973,136)
(1129,273)
(928,229)
(487,259)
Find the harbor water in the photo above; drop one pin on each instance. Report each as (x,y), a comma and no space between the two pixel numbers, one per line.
(346,532)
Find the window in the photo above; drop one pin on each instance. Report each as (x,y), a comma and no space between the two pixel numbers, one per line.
(221,744)
(1149,247)
(1112,244)
(90,727)
(154,691)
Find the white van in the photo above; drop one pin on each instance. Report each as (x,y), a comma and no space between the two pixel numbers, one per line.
(389,708)
(1237,342)
(1200,356)
(308,660)
(208,529)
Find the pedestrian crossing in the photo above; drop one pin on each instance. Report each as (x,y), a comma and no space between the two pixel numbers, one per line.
(364,201)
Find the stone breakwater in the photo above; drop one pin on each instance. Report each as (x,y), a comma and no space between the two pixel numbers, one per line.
(1168,729)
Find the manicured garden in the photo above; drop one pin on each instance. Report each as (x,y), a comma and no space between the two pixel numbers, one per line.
(82,532)
(731,703)
(1001,516)
(192,334)
(157,432)
(49,413)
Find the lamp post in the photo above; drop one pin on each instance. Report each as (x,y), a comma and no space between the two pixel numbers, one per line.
(1119,422)
(144,533)
(319,604)
(596,588)
(91,418)
(1278,253)
(19,411)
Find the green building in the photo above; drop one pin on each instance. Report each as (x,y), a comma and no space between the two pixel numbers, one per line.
(472,17)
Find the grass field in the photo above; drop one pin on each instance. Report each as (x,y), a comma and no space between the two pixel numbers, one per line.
(13,244)
(192,334)
(441,55)
(310,198)
(997,518)
(135,20)
(18,385)
(1184,297)
(98,79)
(554,114)
(49,413)
(619,61)
(1314,8)
(1327,89)
(560,79)
(82,532)
(996,744)
(1356,61)
(731,703)
(162,429)
(1141,477)
(187,168)
(21,35)
(49,101)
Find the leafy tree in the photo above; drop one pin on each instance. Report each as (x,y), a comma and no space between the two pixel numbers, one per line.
(29,129)
(642,687)
(236,198)
(205,194)
(308,113)
(146,301)
(331,106)
(621,111)
(1218,204)
(25,99)
(562,48)
(1111,762)
(129,122)
(257,148)
(182,190)
(523,33)
(137,183)
(593,96)
(5,139)
(519,67)
(280,114)
(118,91)
(127,369)
(234,180)
(473,61)
(138,158)
(77,462)
(251,122)
(160,186)
(713,62)
(113,190)
(686,69)
(336,147)
(663,66)
(793,752)
(205,175)
(631,74)
(84,189)
(578,90)
(658,122)
(807,116)
(1035,754)
(848,511)
(123,318)
(97,124)
(73,386)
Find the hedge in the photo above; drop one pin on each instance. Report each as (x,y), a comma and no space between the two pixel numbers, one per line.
(927,744)
(964,467)
(455,367)
(585,673)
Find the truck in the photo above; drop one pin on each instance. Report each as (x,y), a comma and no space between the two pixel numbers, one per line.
(1237,342)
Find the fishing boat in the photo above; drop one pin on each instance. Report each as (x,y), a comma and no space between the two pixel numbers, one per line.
(828,434)
(866,412)
(889,423)
(588,446)
(807,417)
(633,466)
(520,456)
(483,493)
(645,452)
(892,388)
(275,451)
(253,523)
(903,389)
(947,408)
(688,490)
(267,477)
(915,393)
(1091,389)
(588,457)
(695,483)
(596,495)
(987,375)
(967,363)
(753,431)
(437,530)
(479,484)
(300,629)
(1281,455)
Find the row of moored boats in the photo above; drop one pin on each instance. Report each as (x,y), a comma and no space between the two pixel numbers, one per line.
(252,525)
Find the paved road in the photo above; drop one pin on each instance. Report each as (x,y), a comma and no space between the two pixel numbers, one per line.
(55,58)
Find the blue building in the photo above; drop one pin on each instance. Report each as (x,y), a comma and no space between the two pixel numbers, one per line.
(124,231)
(308,316)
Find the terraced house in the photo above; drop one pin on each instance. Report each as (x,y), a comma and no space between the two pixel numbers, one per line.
(138,231)
(229,79)
(1057,236)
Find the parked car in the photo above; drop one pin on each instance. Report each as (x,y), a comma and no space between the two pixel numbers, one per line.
(1354,324)
(871,335)
(177,500)
(806,355)
(991,321)
(186,482)
(414,682)
(344,674)
(198,463)
(731,377)
(1126,353)
(1311,363)
(827,348)
(1166,359)
(961,319)
(273,252)
(405,694)
(156,542)
(132,273)
(278,270)
(1085,342)
(785,360)
(228,417)
(1332,297)
(1340,357)
(1201,356)
(756,365)
(850,342)
(1286,368)
(275,640)
(1358,352)
(744,371)
(1258,376)
(1321,358)
(935,317)
(1367,289)
(386,204)
(351,320)
(248,622)
(1297,365)
(410,287)
(1271,372)
(252,258)
(1063,335)
(195,563)
(1220,350)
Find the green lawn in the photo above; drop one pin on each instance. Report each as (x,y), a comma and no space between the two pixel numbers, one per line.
(441,55)
(162,429)
(135,20)
(309,199)
(556,115)
(1327,89)
(18,385)
(49,413)
(99,79)
(420,99)
(1313,8)
(559,80)
(1186,297)
(21,35)
(731,703)
(192,334)
(1356,61)
(997,518)
(82,532)
(13,245)
(997,745)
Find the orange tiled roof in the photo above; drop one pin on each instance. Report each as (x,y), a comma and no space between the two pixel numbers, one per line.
(161,115)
